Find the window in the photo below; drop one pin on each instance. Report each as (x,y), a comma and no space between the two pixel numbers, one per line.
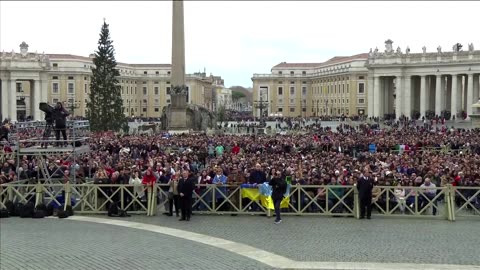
(155,82)
(304,73)
(157,109)
(145,90)
(156,100)
(292,101)
(292,73)
(168,82)
(304,90)
(280,91)
(70,77)
(361,88)
(304,109)
(279,73)
(55,65)
(19,88)
(84,78)
(135,90)
(168,100)
(280,82)
(361,77)
(361,101)
(292,91)
(70,102)
(347,100)
(155,89)
(55,100)
(168,90)
(145,72)
(144,82)
(86,89)
(71,88)
(55,88)
(348,88)
(156,72)
(292,82)
(280,109)
(168,72)
(292,109)
(280,100)
(55,78)
(304,82)
(144,109)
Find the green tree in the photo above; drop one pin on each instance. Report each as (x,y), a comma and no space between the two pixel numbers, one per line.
(221,114)
(237,95)
(105,107)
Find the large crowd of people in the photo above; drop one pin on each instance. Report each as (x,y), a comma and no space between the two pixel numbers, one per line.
(400,156)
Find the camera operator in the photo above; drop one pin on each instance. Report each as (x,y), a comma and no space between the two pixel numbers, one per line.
(60,115)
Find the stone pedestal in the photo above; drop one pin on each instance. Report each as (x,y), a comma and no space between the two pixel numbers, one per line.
(178,112)
(475,120)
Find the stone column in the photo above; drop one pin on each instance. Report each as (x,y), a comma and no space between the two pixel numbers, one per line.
(438,95)
(5,100)
(12,113)
(469,97)
(36,99)
(408,97)
(370,96)
(453,99)
(476,88)
(376,96)
(399,97)
(423,96)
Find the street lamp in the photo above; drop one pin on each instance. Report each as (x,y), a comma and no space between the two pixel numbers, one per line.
(261,104)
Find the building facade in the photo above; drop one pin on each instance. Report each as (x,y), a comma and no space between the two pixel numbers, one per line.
(333,88)
(379,84)
(30,78)
(414,84)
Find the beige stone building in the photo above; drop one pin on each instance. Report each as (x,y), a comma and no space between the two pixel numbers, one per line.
(332,88)
(30,78)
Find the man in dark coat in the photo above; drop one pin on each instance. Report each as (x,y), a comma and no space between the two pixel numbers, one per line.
(279,188)
(185,188)
(60,115)
(365,185)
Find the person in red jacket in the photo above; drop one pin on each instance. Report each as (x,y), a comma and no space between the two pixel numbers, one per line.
(148,177)
(236,149)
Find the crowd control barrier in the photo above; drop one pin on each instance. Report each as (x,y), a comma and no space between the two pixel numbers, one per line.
(447,202)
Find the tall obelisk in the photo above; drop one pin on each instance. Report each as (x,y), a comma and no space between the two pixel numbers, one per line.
(178,113)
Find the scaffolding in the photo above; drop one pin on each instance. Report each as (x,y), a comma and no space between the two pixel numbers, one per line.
(32,140)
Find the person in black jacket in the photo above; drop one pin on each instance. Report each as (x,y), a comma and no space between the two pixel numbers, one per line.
(185,188)
(60,115)
(279,187)
(365,185)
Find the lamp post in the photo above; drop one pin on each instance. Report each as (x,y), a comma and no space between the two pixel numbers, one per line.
(261,104)
(73,105)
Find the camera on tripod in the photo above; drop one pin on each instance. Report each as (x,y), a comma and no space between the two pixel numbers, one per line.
(49,112)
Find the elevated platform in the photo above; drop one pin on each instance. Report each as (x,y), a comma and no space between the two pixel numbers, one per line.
(37,150)
(179,131)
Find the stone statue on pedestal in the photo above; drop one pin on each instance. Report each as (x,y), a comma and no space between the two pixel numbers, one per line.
(388,46)
(424,49)
(407,51)
(439,49)
(375,52)
(470,47)
(370,53)
(399,51)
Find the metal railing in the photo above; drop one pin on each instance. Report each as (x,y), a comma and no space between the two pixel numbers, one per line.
(324,200)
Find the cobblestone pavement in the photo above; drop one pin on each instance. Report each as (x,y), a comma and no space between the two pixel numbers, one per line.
(381,240)
(61,244)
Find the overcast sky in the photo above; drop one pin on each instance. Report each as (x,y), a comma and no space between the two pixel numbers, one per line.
(237,39)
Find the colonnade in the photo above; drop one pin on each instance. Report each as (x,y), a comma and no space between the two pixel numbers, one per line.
(9,96)
(404,95)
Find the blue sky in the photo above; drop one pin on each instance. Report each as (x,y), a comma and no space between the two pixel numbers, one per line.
(236,39)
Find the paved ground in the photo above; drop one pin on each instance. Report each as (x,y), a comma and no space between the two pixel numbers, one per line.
(53,244)
(382,240)
(78,244)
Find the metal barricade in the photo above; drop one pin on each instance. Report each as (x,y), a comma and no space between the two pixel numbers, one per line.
(465,201)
